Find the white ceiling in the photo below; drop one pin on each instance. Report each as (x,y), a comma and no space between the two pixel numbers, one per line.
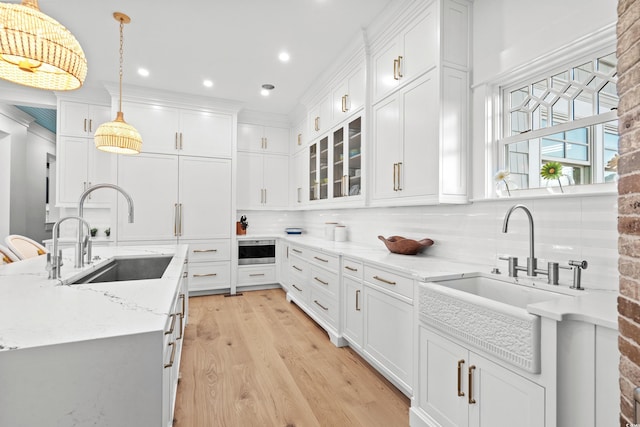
(234,43)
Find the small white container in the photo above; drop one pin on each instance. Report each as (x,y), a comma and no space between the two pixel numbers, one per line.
(340,233)
(329,230)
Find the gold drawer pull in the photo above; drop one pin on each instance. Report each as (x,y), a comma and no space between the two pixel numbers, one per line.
(471,399)
(321,281)
(256,274)
(181,327)
(357,299)
(389,282)
(173,355)
(205,275)
(296,267)
(296,287)
(183,305)
(173,324)
(321,259)
(460,363)
(195,251)
(350,268)
(296,250)
(320,305)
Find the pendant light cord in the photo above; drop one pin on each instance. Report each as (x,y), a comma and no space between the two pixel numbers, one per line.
(121,54)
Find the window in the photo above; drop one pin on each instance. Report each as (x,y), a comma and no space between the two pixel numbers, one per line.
(568,117)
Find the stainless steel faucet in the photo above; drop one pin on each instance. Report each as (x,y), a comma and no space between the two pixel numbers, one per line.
(54,261)
(532,262)
(83,197)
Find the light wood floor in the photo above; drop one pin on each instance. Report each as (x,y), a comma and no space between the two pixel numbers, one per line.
(257,360)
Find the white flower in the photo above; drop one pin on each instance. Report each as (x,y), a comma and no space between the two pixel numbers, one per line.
(501,175)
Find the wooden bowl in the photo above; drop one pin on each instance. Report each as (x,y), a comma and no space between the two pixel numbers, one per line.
(404,246)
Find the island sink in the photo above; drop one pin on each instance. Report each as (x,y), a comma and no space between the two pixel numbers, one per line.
(124,269)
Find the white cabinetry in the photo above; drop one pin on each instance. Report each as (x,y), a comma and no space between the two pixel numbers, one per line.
(458,388)
(388,324)
(407,54)
(80,163)
(421,93)
(352,302)
(319,117)
(191,204)
(348,95)
(299,174)
(263,181)
(169,130)
(263,139)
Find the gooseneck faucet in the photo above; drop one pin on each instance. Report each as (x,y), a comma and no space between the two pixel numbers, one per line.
(54,260)
(83,197)
(532,262)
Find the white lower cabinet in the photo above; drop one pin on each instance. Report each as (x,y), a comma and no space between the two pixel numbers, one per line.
(249,275)
(457,387)
(353,318)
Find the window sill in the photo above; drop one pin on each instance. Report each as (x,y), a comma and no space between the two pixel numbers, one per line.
(610,188)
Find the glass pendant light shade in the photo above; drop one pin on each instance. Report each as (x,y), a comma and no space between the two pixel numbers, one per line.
(38,51)
(118,136)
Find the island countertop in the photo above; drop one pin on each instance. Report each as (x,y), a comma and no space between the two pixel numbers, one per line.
(36,311)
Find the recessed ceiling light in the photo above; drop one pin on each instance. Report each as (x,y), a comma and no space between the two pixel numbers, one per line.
(266,88)
(207,83)
(284,57)
(143,72)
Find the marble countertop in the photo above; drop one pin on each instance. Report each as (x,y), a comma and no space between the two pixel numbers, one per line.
(36,311)
(592,306)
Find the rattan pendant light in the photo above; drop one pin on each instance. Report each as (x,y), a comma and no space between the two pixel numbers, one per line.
(38,51)
(118,136)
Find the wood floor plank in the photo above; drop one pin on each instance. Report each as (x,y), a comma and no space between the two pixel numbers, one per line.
(257,360)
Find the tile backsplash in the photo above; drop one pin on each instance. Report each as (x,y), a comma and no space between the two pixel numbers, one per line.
(569,228)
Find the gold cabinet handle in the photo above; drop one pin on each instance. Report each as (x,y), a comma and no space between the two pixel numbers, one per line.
(205,275)
(256,274)
(471,399)
(195,251)
(357,299)
(296,287)
(175,219)
(181,328)
(266,143)
(296,267)
(85,125)
(296,250)
(388,282)
(400,67)
(265,196)
(395,174)
(350,268)
(181,140)
(320,305)
(183,305)
(176,145)
(90,125)
(321,281)
(460,363)
(173,324)
(399,176)
(316,123)
(299,139)
(173,355)
(180,221)
(395,69)
(321,259)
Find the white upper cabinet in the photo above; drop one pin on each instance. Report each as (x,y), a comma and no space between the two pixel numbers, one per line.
(263,139)
(348,96)
(81,119)
(319,118)
(169,130)
(299,136)
(263,181)
(406,55)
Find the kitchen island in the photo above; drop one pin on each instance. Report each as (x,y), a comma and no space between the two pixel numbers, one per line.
(90,354)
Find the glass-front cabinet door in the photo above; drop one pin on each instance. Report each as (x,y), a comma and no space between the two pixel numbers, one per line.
(319,169)
(347,163)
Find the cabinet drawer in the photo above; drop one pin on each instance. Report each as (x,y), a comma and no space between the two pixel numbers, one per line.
(298,266)
(324,260)
(298,251)
(324,305)
(353,268)
(209,275)
(212,250)
(389,280)
(298,287)
(324,280)
(254,275)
